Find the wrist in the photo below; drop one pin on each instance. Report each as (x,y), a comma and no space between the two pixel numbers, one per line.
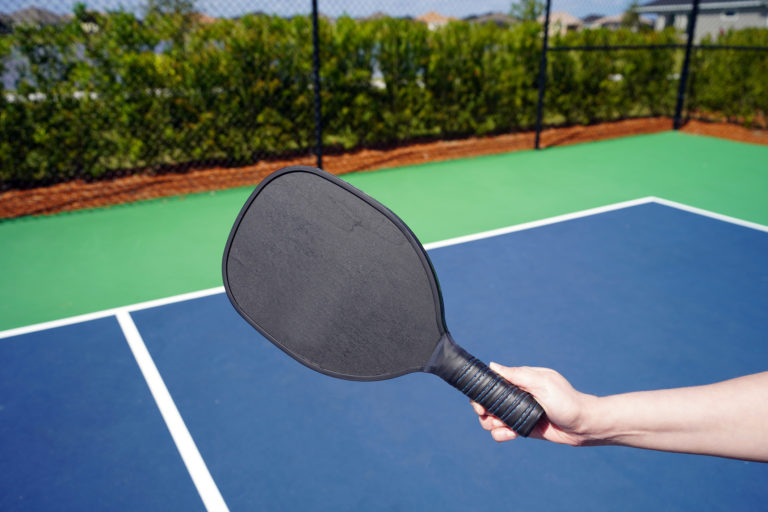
(595,429)
(606,422)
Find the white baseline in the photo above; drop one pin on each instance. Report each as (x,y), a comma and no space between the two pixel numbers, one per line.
(434,245)
(194,462)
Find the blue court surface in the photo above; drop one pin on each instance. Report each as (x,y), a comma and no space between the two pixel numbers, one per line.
(182,406)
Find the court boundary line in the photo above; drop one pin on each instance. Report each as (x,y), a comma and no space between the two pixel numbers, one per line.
(182,438)
(106,313)
(185,444)
(711,214)
(538,223)
(52,324)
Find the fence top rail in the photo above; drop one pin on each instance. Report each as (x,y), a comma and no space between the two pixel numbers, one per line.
(729,47)
(617,47)
(679,46)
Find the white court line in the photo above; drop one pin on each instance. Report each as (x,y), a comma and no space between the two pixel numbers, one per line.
(434,245)
(201,477)
(109,312)
(538,223)
(713,215)
(194,462)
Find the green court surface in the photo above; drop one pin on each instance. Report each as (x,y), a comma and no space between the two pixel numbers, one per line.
(75,263)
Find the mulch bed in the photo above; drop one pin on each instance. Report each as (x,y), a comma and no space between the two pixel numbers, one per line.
(78,194)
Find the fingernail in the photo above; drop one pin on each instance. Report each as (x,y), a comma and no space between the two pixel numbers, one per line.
(507,434)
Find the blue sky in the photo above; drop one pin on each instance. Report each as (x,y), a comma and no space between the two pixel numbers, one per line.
(458,8)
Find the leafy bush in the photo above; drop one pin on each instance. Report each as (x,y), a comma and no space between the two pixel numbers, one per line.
(111,92)
(600,85)
(731,85)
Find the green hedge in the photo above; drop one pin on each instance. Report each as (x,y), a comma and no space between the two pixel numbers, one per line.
(731,85)
(169,90)
(592,86)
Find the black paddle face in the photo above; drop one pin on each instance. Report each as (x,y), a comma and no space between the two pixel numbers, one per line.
(341,284)
(333,278)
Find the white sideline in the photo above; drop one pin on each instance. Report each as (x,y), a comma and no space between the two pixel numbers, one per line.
(538,223)
(194,462)
(713,215)
(434,245)
(109,312)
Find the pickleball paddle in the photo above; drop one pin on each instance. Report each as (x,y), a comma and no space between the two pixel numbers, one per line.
(339,282)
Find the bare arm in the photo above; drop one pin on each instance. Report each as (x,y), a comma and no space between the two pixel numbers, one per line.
(727,419)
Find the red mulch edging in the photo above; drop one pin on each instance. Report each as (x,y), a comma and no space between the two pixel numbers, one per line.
(78,194)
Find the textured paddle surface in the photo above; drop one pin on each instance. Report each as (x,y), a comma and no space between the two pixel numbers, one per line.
(332,280)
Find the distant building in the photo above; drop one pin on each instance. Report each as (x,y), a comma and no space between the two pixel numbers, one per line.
(613,22)
(37,16)
(715,16)
(589,19)
(203,19)
(6,24)
(498,18)
(561,22)
(434,20)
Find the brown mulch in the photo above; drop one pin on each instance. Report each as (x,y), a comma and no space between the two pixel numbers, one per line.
(78,194)
(727,131)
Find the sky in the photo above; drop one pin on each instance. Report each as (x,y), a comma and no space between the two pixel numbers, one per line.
(228,8)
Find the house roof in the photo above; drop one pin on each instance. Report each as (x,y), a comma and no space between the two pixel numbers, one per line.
(36,15)
(203,18)
(608,20)
(687,5)
(498,18)
(589,18)
(434,17)
(563,18)
(616,20)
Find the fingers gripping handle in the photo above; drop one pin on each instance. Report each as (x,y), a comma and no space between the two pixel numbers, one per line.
(515,407)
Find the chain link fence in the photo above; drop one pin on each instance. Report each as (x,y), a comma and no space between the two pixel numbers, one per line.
(107,88)
(701,59)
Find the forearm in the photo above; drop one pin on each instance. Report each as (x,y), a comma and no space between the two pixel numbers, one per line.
(728,419)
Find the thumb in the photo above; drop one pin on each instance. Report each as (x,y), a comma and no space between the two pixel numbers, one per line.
(521,376)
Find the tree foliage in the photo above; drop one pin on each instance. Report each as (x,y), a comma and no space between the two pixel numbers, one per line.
(527,10)
(109,92)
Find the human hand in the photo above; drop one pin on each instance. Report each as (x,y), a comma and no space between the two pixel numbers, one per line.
(567,410)
(688,420)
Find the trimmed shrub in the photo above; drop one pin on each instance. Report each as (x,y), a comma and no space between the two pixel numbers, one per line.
(108,93)
(731,85)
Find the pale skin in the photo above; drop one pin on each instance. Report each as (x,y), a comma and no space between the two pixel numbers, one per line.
(725,419)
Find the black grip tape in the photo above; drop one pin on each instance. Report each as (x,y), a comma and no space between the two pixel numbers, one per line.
(515,407)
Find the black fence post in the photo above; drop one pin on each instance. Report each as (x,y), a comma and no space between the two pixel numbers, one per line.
(683,86)
(316,80)
(543,75)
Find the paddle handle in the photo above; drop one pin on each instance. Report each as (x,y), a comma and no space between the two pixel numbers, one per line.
(515,407)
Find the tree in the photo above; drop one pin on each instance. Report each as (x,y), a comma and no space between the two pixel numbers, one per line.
(171,18)
(527,10)
(170,6)
(631,18)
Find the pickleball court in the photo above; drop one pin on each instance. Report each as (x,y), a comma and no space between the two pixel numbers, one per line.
(610,262)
